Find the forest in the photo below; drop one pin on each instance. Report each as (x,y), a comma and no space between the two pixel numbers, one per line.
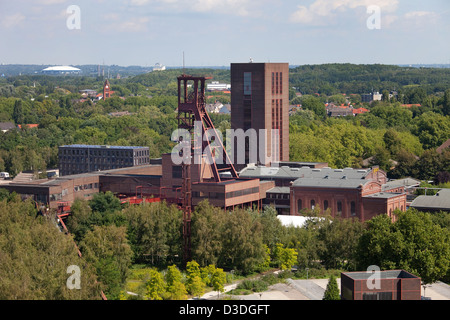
(138,248)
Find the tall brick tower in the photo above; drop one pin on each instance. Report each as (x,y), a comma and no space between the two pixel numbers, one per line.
(106,90)
(260,100)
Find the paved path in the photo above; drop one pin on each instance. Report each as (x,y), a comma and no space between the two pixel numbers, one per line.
(314,289)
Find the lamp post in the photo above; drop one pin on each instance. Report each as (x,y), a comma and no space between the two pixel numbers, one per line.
(307,269)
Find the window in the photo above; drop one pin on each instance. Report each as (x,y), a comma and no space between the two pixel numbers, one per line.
(339,207)
(247,83)
(281,82)
(299,205)
(313,204)
(177,172)
(325,205)
(377,296)
(353,208)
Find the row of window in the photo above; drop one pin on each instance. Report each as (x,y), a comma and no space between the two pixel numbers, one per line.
(228,195)
(277,82)
(326,205)
(102,152)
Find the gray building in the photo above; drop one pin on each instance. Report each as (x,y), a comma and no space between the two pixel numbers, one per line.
(75,159)
(439,202)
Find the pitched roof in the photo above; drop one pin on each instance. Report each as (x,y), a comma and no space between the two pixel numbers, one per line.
(286,172)
(443,146)
(7,126)
(440,201)
(330,183)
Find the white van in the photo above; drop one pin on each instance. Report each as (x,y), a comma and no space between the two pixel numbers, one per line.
(4,175)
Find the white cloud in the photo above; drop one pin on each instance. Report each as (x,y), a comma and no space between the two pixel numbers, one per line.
(12,20)
(235,7)
(135,25)
(321,11)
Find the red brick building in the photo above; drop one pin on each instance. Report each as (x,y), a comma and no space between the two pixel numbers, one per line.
(392,285)
(347,198)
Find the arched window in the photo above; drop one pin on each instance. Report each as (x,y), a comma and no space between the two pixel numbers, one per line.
(325,205)
(339,208)
(299,205)
(313,204)
(353,208)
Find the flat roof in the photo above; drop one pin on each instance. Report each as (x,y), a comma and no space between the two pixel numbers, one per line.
(387,274)
(279,190)
(384,195)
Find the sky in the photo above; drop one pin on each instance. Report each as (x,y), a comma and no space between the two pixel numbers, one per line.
(220,32)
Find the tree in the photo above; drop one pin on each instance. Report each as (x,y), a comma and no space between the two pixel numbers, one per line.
(413,242)
(242,241)
(339,238)
(17,115)
(107,248)
(286,257)
(218,280)
(174,285)
(154,231)
(446,103)
(206,233)
(105,201)
(155,285)
(196,286)
(332,290)
(35,257)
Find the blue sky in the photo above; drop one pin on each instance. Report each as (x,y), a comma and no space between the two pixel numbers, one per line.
(219,32)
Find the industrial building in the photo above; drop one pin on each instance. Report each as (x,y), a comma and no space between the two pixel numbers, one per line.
(381,285)
(260,101)
(79,158)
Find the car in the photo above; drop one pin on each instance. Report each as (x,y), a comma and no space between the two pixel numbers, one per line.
(4,175)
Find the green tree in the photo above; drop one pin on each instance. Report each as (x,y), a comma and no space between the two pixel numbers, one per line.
(339,238)
(332,290)
(154,231)
(196,286)
(156,287)
(175,287)
(242,241)
(35,257)
(446,103)
(413,242)
(286,257)
(107,248)
(18,113)
(206,233)
(218,280)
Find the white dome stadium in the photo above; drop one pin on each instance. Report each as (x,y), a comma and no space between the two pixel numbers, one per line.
(61,70)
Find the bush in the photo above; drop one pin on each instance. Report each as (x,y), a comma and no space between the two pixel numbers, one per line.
(253,285)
